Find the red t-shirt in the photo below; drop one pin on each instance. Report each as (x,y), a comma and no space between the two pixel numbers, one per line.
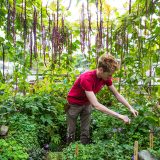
(88,81)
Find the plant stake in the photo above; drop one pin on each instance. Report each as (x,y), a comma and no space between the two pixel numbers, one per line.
(136,150)
(151,139)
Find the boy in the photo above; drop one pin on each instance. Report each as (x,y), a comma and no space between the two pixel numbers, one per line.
(82,96)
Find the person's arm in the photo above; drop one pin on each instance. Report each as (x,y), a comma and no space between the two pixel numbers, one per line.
(121,99)
(94,102)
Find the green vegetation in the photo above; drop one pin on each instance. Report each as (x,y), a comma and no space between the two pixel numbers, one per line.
(40,40)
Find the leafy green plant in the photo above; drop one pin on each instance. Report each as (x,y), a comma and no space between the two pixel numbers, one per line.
(23,129)
(54,156)
(37,154)
(101,150)
(5,91)
(10,149)
(156,153)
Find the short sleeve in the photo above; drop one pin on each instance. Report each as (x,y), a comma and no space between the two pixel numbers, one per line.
(109,82)
(86,84)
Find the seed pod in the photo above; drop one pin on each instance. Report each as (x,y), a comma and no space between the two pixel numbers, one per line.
(71,42)
(151,10)
(44,43)
(89,27)
(89,17)
(34,32)
(62,34)
(49,22)
(89,41)
(97,14)
(41,29)
(52,38)
(145,26)
(82,30)
(116,43)
(129,6)
(13,21)
(67,41)
(107,37)
(8,19)
(57,12)
(21,17)
(41,16)
(138,9)
(3,53)
(101,27)
(25,25)
(120,79)
(54,41)
(146,4)
(61,40)
(31,51)
(111,40)
(127,44)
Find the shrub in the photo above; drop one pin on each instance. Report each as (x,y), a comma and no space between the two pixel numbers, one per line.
(10,149)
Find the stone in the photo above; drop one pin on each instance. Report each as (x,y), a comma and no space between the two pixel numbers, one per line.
(145,155)
(4,130)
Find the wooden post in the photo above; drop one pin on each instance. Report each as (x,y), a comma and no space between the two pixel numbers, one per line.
(77,150)
(151,139)
(136,150)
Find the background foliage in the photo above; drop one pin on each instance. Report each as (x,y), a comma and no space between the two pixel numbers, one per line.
(40,40)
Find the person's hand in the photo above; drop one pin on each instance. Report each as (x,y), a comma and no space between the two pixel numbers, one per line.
(125,119)
(134,112)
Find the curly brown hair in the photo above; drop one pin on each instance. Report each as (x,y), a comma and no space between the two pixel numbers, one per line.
(108,63)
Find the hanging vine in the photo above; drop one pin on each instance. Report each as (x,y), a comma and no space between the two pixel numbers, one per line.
(31,48)
(8,19)
(13,22)
(51,37)
(44,43)
(35,32)
(25,26)
(82,30)
(129,6)
(89,29)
